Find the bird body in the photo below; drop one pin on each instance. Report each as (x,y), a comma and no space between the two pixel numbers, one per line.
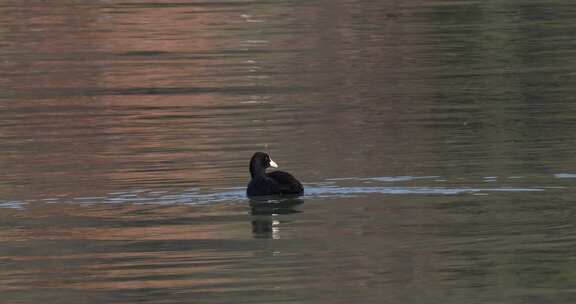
(272,183)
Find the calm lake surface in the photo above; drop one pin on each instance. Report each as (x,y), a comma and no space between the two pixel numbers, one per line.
(435,140)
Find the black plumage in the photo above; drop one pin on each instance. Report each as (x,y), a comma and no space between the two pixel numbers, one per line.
(273,183)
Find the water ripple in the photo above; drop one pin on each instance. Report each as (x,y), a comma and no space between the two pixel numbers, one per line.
(327,189)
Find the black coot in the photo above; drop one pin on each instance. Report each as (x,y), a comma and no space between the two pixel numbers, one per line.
(273,183)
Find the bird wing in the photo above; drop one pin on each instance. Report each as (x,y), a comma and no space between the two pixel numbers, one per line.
(287,183)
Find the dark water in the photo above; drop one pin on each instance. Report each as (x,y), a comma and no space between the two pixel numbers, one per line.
(435,140)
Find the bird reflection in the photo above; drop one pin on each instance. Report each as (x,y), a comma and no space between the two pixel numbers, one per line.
(265,224)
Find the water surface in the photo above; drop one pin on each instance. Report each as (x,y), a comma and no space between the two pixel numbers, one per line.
(435,141)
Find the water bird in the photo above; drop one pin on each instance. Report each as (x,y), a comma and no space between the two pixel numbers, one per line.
(272,183)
